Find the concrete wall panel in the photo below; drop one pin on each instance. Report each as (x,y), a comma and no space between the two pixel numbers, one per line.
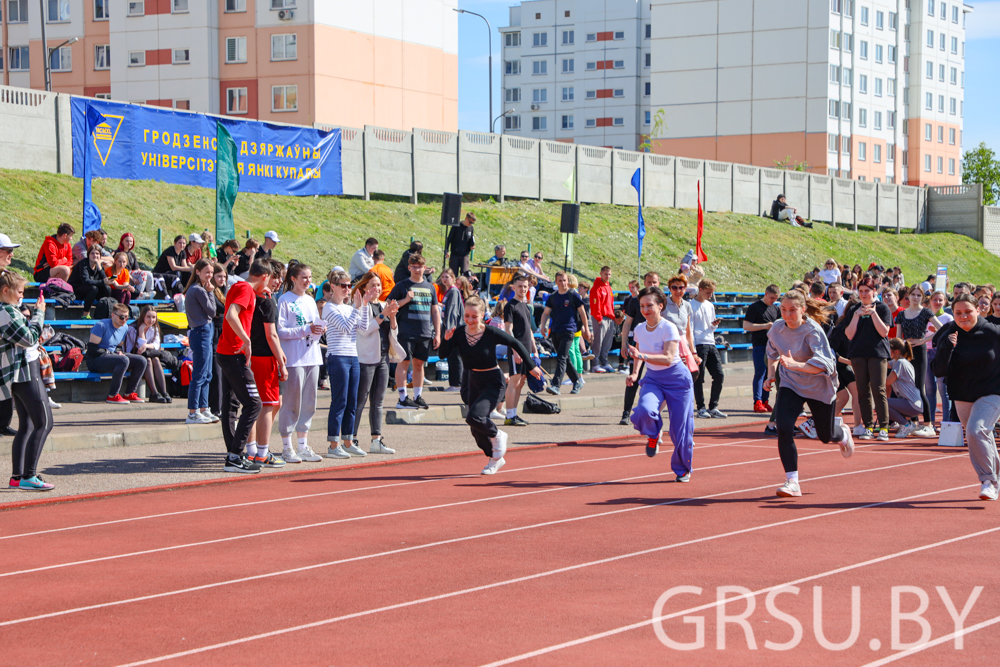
(888,209)
(352,160)
(623,166)
(909,207)
(687,175)
(866,204)
(435,161)
(772,184)
(991,229)
(843,201)
(797,193)
(388,161)
(718,186)
(955,209)
(594,173)
(820,198)
(556,165)
(479,163)
(519,175)
(658,185)
(28,138)
(746,189)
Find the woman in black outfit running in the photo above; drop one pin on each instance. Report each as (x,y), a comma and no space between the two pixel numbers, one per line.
(477,344)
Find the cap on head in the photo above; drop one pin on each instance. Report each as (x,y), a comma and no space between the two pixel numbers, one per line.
(273,236)
(195,238)
(5,243)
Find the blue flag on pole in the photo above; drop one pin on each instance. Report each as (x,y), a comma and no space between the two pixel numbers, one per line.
(91,214)
(637,184)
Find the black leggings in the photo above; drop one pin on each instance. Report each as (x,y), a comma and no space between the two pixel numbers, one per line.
(482,394)
(6,413)
(787,408)
(919,373)
(91,293)
(34,423)
(238,384)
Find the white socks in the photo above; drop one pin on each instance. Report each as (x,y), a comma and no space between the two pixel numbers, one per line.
(286,442)
(511,413)
(402,393)
(417,391)
(302,443)
(792,476)
(251,449)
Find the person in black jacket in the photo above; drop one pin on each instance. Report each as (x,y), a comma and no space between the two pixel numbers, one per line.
(461,240)
(477,344)
(968,357)
(89,280)
(868,329)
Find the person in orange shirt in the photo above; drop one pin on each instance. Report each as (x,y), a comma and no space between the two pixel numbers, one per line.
(383,272)
(122,288)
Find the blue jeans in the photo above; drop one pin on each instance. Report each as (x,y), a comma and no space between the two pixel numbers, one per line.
(933,387)
(760,373)
(345,373)
(200,339)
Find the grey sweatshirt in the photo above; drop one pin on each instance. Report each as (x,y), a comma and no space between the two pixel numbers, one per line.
(199,306)
(806,343)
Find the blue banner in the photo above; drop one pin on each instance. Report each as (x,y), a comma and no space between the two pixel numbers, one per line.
(140,143)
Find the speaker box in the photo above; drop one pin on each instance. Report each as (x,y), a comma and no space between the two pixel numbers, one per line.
(451,209)
(570,219)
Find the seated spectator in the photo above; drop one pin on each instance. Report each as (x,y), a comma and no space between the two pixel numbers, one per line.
(86,242)
(173,266)
(89,281)
(193,251)
(780,210)
(271,241)
(816,291)
(209,249)
(251,252)
(363,260)
(55,258)
(104,356)
(229,253)
(499,257)
(830,273)
(143,280)
(121,279)
(534,269)
(144,338)
(383,273)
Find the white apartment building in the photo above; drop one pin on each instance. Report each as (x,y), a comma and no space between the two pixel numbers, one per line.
(866,89)
(578,70)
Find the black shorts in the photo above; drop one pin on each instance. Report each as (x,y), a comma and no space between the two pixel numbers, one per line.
(845,376)
(416,348)
(513,367)
(43,275)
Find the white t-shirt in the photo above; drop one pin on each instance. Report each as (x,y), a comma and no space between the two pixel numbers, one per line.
(829,276)
(702,316)
(943,318)
(651,342)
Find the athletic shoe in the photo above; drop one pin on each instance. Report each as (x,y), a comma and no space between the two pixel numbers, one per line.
(552,389)
(758,406)
(859,430)
(716,413)
(867,435)
(493,466)
(337,453)
(624,420)
(808,427)
(451,389)
(14,483)
(623,370)
(567,381)
(906,429)
(600,369)
(212,418)
(987,492)
(767,407)
(577,386)
(420,402)
(307,454)
(53,404)
(588,356)
(496,414)
(893,425)
(36,484)
(789,489)
(652,446)
(378,447)
(159,399)
(609,368)
(500,445)
(117,400)
(771,431)
(324,384)
(683,479)
(197,418)
(407,404)
(289,456)
(883,435)
(847,444)
(925,431)
(134,398)
(270,461)
(515,421)
(242,464)
(702,413)
(354,450)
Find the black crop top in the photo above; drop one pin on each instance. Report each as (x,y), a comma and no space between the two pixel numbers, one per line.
(483,355)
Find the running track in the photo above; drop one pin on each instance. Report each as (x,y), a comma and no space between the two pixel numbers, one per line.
(557,560)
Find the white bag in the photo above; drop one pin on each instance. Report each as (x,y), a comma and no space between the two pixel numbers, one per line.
(951,435)
(396,352)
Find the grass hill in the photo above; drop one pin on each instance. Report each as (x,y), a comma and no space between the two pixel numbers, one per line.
(745,252)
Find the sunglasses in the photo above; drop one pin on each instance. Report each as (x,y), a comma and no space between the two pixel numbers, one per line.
(120,317)
(344,285)
(673,287)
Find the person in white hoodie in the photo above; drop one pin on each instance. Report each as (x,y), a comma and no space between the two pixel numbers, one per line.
(299,330)
(373,357)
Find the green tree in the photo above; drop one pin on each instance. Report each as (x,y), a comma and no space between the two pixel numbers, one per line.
(981,166)
(659,127)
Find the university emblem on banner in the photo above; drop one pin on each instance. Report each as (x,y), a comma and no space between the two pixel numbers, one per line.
(104,136)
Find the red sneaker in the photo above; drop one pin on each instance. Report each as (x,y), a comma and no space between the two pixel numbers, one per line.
(134,398)
(117,400)
(767,407)
(758,406)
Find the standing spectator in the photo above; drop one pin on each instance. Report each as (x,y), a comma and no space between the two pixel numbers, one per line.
(678,310)
(103,356)
(55,258)
(933,386)
(452,311)
(194,249)
(912,325)
(373,358)
(143,280)
(757,322)
(704,323)
(602,310)
(220,279)
(144,338)
(633,318)
(459,244)
(928,284)
(200,305)
(271,241)
(173,266)
(419,322)
(6,406)
(384,274)
(363,260)
(577,349)
(402,270)
(299,327)
(89,281)
(267,362)
(867,329)
(835,296)
(517,317)
(565,309)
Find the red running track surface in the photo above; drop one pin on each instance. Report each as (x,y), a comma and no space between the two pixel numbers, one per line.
(559,559)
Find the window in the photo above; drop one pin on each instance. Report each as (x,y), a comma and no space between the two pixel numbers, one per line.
(236,5)
(619,122)
(892,54)
(954,45)
(835,6)
(102,56)
(863,52)
(618,92)
(864,15)
(943,38)
(890,87)
(940,134)
(19,60)
(849,8)
(944,11)
(591,36)
(649,30)
(567,122)
(182,56)
(954,14)
(591,94)
(930,70)
(568,65)
(236,100)
(182,104)
(951,166)
(102,96)
(878,53)
(930,38)
(591,122)
(940,103)
(834,74)
(890,153)
(180,7)
(929,102)
(953,106)
(512,39)
(649,60)
(954,76)
(540,95)
(893,21)
(845,110)
(540,39)
(284,98)
(591,67)
(619,34)
(17,11)
(101,10)
(568,36)
(879,20)
(619,64)
(906,161)
(862,117)
(58,11)
(862,151)
(890,120)
(136,58)
(878,120)
(845,145)
(512,123)
(951,136)
(539,123)
(646,119)
(284,47)
(646,88)
(282,4)
(236,49)
(930,12)
(906,101)
(878,86)
(540,67)
(834,39)
(848,42)
(832,142)
(513,95)
(512,67)
(940,165)
(567,94)
(848,76)
(928,131)
(863,84)
(137,8)
(877,153)
(834,109)
(927,163)
(962,80)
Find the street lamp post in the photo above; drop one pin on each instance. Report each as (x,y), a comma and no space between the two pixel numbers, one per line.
(489,30)
(505,113)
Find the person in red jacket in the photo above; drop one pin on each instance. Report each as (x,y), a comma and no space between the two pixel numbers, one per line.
(602,311)
(55,259)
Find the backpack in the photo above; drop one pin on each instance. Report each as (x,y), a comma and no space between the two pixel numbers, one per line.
(68,362)
(60,291)
(535,405)
(103,307)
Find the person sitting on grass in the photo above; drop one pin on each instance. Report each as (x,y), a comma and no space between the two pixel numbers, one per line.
(103,356)
(780,210)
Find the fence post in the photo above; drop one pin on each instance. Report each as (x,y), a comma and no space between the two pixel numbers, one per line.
(413,165)
(159,242)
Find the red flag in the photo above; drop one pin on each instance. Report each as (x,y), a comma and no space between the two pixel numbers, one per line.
(701,228)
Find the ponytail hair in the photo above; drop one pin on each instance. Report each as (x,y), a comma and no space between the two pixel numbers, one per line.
(11,281)
(903,347)
(477,303)
(814,310)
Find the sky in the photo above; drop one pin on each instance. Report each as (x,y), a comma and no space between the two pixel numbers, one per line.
(982,56)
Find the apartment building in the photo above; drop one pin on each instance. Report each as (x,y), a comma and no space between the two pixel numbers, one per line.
(867,89)
(578,70)
(392,63)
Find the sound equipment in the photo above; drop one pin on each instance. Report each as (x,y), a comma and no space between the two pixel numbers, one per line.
(451,209)
(570,219)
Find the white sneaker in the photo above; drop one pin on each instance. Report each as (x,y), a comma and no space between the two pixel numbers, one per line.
(53,404)
(847,444)
(905,430)
(495,414)
(859,430)
(925,431)
(378,447)
(988,491)
(809,428)
(355,450)
(337,453)
(500,445)
(212,417)
(289,455)
(197,418)
(492,467)
(452,389)
(789,489)
(307,454)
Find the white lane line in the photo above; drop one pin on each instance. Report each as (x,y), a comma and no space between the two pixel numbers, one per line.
(828,573)
(937,642)
(418,547)
(548,573)
(341,491)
